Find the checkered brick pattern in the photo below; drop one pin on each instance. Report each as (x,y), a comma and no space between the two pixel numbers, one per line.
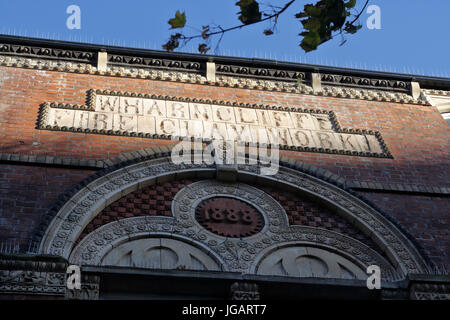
(156,200)
(153,200)
(305,212)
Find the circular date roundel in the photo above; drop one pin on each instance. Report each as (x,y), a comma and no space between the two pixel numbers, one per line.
(229,217)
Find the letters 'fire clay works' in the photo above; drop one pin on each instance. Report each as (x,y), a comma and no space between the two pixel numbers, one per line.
(301,129)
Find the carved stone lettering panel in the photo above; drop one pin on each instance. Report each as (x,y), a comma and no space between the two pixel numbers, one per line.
(170,117)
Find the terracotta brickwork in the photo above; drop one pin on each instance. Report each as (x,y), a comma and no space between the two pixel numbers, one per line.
(153,200)
(27,193)
(416,135)
(304,212)
(426,218)
(156,200)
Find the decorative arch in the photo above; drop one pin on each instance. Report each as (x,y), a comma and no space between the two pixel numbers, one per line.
(135,242)
(159,253)
(234,254)
(296,260)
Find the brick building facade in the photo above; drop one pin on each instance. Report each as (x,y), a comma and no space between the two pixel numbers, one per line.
(87,178)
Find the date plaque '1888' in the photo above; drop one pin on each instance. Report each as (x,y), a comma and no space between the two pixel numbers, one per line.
(229,217)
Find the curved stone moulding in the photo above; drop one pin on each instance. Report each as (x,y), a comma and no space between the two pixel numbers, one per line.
(73,217)
(111,244)
(159,253)
(297,261)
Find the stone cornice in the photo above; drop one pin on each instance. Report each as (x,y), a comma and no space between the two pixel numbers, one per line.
(47,53)
(47,160)
(338,86)
(437,92)
(439,99)
(44,263)
(32,275)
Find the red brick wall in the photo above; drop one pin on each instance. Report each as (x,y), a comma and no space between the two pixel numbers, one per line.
(417,137)
(426,218)
(27,192)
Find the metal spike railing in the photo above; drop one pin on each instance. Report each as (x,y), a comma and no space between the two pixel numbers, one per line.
(9,247)
(314,58)
(441,270)
(15,246)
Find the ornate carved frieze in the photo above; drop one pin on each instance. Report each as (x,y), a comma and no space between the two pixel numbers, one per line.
(32,282)
(32,277)
(244,291)
(46,53)
(260,73)
(326,78)
(39,275)
(430,291)
(154,63)
(358,82)
(159,117)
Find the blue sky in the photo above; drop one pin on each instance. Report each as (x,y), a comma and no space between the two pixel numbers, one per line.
(413,37)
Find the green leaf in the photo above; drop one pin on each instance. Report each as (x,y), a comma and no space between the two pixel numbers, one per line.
(205,32)
(202,48)
(321,19)
(179,21)
(249,11)
(350,4)
(310,41)
(312,24)
(313,11)
(173,42)
(352,29)
(300,15)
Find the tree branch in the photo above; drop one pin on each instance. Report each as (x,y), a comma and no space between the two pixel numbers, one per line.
(222,31)
(351,23)
(359,15)
(274,13)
